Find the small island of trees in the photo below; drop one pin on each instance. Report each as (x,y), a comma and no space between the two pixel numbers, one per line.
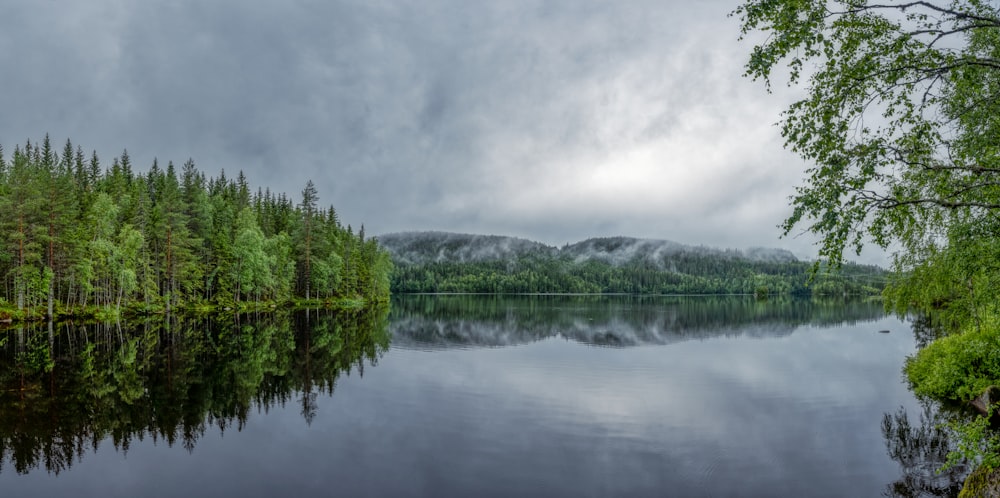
(82,239)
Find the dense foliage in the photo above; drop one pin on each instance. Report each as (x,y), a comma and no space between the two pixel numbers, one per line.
(76,235)
(899,119)
(900,123)
(435,262)
(957,367)
(69,388)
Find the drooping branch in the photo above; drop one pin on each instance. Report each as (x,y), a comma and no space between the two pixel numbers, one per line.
(896,121)
(955,14)
(886,202)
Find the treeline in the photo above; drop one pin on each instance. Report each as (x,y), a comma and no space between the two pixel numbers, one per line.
(79,236)
(685,273)
(68,389)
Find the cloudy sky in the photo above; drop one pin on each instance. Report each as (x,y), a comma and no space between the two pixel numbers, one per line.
(554,120)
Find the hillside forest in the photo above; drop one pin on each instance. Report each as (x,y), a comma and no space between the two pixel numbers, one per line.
(81,237)
(463,263)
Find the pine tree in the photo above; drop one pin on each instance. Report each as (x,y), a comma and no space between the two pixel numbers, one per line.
(308,206)
(61,208)
(20,210)
(78,235)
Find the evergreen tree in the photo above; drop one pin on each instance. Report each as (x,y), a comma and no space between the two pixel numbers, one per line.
(81,236)
(309,199)
(20,208)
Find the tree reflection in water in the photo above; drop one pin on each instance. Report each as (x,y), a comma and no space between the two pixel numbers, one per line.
(64,390)
(921,449)
(461,321)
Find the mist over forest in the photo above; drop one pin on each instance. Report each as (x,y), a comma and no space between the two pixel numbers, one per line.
(424,247)
(454,262)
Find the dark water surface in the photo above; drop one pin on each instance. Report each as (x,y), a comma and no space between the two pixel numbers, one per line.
(466,396)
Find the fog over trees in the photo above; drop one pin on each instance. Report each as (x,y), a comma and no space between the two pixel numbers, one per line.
(449,262)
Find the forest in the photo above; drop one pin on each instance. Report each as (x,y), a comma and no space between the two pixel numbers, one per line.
(444,262)
(84,239)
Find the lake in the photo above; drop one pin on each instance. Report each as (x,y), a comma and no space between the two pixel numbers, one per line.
(475,396)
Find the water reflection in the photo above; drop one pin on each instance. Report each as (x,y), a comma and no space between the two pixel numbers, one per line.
(782,398)
(925,329)
(457,321)
(921,448)
(66,388)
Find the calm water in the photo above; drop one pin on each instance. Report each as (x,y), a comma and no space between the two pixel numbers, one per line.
(472,396)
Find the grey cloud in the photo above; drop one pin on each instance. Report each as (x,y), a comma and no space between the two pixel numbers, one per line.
(450,115)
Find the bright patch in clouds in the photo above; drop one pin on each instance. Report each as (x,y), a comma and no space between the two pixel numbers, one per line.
(551,120)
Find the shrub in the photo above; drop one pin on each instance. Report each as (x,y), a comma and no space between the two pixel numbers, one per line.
(958,367)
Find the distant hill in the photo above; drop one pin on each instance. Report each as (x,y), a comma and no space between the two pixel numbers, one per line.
(439,247)
(454,262)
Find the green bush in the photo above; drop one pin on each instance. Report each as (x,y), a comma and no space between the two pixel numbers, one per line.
(957,367)
(976,442)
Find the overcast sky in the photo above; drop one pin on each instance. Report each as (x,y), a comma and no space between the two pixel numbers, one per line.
(553,120)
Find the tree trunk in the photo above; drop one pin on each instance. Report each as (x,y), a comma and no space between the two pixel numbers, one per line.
(20,262)
(170,274)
